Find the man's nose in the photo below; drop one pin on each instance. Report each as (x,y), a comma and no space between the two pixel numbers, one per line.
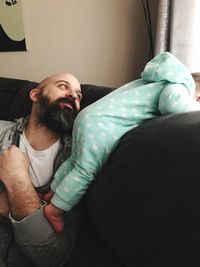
(71,94)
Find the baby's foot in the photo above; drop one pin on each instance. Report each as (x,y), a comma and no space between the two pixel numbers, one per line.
(55,217)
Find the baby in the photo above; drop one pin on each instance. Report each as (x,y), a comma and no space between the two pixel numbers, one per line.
(166,86)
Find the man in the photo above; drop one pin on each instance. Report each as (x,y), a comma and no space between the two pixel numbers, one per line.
(27,239)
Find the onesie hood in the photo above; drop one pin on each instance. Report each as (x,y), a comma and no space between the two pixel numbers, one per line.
(166,67)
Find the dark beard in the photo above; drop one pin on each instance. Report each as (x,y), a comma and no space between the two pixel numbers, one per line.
(57,119)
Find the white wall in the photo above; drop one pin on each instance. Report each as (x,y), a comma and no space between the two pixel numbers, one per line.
(102,42)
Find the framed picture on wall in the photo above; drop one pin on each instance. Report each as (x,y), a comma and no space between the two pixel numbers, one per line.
(12,33)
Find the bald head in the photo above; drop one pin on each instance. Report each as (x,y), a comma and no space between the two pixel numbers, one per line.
(61,85)
(71,79)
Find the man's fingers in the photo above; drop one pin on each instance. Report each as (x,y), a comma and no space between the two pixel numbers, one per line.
(12,146)
(15,149)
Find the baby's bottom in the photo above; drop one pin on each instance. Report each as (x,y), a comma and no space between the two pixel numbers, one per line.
(91,148)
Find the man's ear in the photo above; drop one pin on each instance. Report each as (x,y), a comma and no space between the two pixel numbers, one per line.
(34,94)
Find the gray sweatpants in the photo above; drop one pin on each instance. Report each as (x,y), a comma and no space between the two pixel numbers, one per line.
(32,242)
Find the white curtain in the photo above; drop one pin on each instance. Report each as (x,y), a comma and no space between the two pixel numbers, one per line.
(178,31)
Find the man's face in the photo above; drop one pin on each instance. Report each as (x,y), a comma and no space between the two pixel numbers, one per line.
(59,104)
(62,85)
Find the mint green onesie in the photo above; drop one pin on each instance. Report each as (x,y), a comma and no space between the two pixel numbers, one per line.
(166,86)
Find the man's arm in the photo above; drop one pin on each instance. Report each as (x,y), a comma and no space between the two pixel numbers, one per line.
(4,208)
(32,231)
(15,176)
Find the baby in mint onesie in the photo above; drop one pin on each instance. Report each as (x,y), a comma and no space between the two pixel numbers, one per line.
(166,86)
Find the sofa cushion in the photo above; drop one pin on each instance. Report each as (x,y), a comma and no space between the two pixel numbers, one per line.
(92,93)
(21,107)
(91,251)
(15,102)
(8,90)
(145,203)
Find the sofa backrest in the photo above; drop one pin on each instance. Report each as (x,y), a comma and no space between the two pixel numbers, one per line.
(15,101)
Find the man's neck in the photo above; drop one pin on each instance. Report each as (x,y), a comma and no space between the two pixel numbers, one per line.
(39,136)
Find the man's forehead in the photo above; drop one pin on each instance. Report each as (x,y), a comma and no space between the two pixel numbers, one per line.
(67,78)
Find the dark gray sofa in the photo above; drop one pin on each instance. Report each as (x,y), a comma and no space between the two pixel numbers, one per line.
(143,210)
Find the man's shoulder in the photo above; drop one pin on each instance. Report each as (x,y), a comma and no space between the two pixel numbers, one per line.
(6,133)
(7,127)
(6,124)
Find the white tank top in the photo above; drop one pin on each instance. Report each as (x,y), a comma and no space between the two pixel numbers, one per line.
(41,162)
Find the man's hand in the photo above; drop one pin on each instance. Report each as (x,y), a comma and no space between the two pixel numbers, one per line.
(13,163)
(53,214)
(14,172)
(55,217)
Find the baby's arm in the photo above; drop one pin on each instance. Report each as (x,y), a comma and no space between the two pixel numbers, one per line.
(176,98)
(74,185)
(93,140)
(67,191)
(74,175)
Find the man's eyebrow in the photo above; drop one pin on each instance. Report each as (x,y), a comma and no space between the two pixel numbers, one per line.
(63,81)
(77,89)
